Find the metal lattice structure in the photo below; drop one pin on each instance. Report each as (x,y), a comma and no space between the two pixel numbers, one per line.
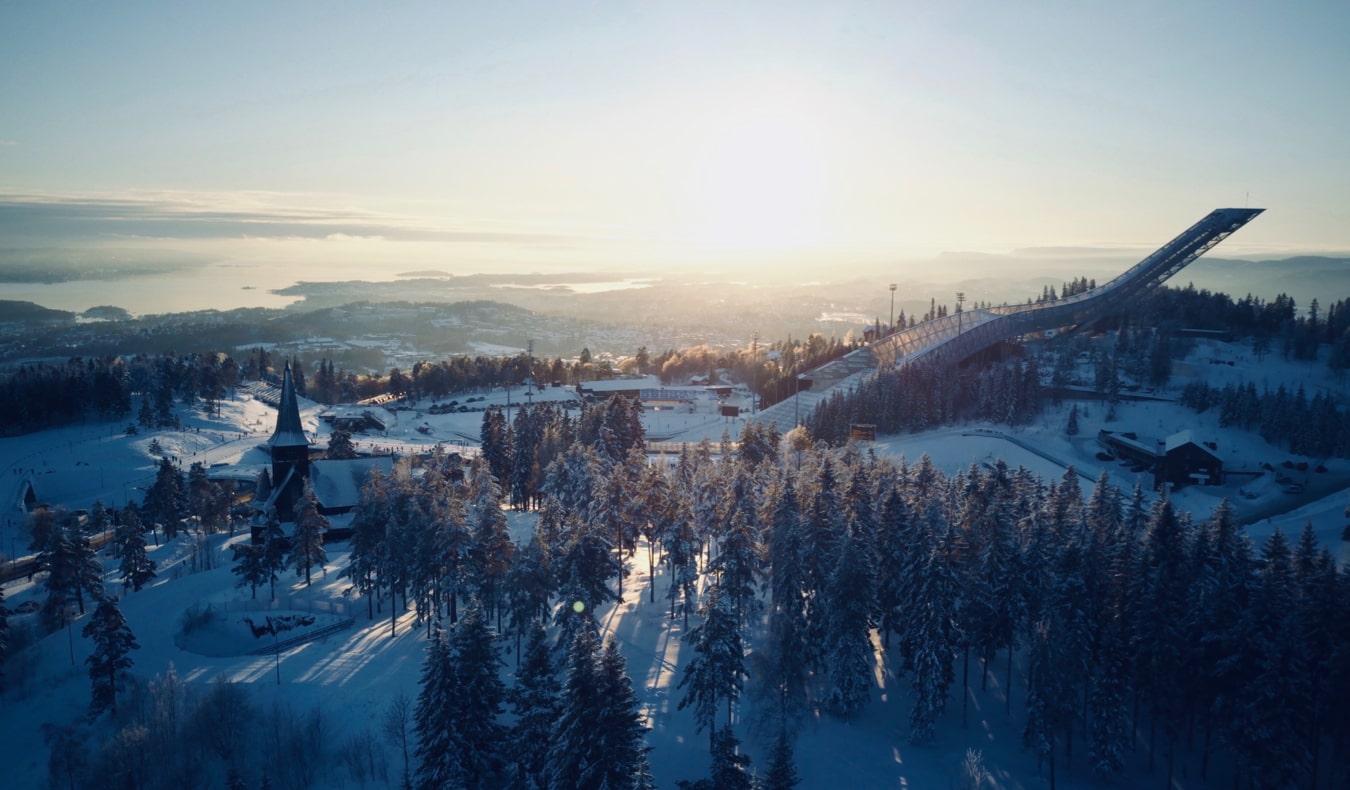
(954,337)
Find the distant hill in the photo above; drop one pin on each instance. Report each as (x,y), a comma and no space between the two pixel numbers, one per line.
(27,312)
(1304,278)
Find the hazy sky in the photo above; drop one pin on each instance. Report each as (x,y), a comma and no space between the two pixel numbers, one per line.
(488,134)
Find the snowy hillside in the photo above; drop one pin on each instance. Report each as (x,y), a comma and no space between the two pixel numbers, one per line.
(353,672)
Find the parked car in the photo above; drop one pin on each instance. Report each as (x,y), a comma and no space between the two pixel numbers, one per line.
(27,607)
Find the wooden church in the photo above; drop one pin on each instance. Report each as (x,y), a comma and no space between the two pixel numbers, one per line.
(336,482)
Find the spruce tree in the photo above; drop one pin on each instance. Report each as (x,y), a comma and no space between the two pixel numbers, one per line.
(1269,721)
(437,766)
(781,771)
(728,765)
(166,500)
(716,674)
(850,601)
(306,550)
(536,705)
(109,661)
(934,637)
(1160,595)
(136,567)
(476,702)
(574,757)
(620,729)
(369,522)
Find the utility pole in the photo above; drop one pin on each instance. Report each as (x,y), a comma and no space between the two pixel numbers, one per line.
(754,373)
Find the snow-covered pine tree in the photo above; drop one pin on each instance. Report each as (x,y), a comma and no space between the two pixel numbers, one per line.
(729,766)
(88,570)
(136,567)
(850,600)
(306,550)
(437,766)
(716,675)
(109,661)
(274,551)
(536,705)
(529,585)
(738,567)
(477,701)
(781,772)
(824,530)
(785,665)
(1321,611)
(495,440)
(620,729)
(166,500)
(1161,581)
(934,638)
(574,756)
(1269,721)
(894,554)
(368,531)
(491,549)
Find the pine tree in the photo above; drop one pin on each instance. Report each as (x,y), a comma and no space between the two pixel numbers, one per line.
(490,555)
(738,567)
(574,757)
(535,702)
(437,766)
(109,661)
(274,551)
(369,523)
(129,545)
(166,500)
(476,701)
(306,550)
(716,674)
(1268,724)
(824,530)
(620,729)
(934,639)
(781,772)
(785,668)
(850,601)
(1160,596)
(728,765)
(340,445)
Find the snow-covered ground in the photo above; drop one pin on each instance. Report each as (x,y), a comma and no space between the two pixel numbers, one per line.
(356,671)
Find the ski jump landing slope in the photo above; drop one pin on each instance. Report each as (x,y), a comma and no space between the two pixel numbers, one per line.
(954,337)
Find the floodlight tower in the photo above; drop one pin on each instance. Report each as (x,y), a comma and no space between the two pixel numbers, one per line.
(892,324)
(754,372)
(960,300)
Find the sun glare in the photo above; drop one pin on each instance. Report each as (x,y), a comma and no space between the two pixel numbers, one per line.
(757,178)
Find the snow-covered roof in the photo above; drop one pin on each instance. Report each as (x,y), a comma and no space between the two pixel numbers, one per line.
(623,384)
(1177,439)
(337,482)
(1181,438)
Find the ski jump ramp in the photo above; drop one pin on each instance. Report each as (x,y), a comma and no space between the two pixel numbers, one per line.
(953,337)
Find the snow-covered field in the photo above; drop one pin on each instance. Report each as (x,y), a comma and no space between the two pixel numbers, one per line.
(356,671)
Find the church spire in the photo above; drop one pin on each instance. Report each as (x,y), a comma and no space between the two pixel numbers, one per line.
(289,432)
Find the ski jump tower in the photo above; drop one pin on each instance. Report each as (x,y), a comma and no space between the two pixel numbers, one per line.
(953,337)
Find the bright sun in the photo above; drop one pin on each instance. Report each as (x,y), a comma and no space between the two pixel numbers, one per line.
(758,179)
